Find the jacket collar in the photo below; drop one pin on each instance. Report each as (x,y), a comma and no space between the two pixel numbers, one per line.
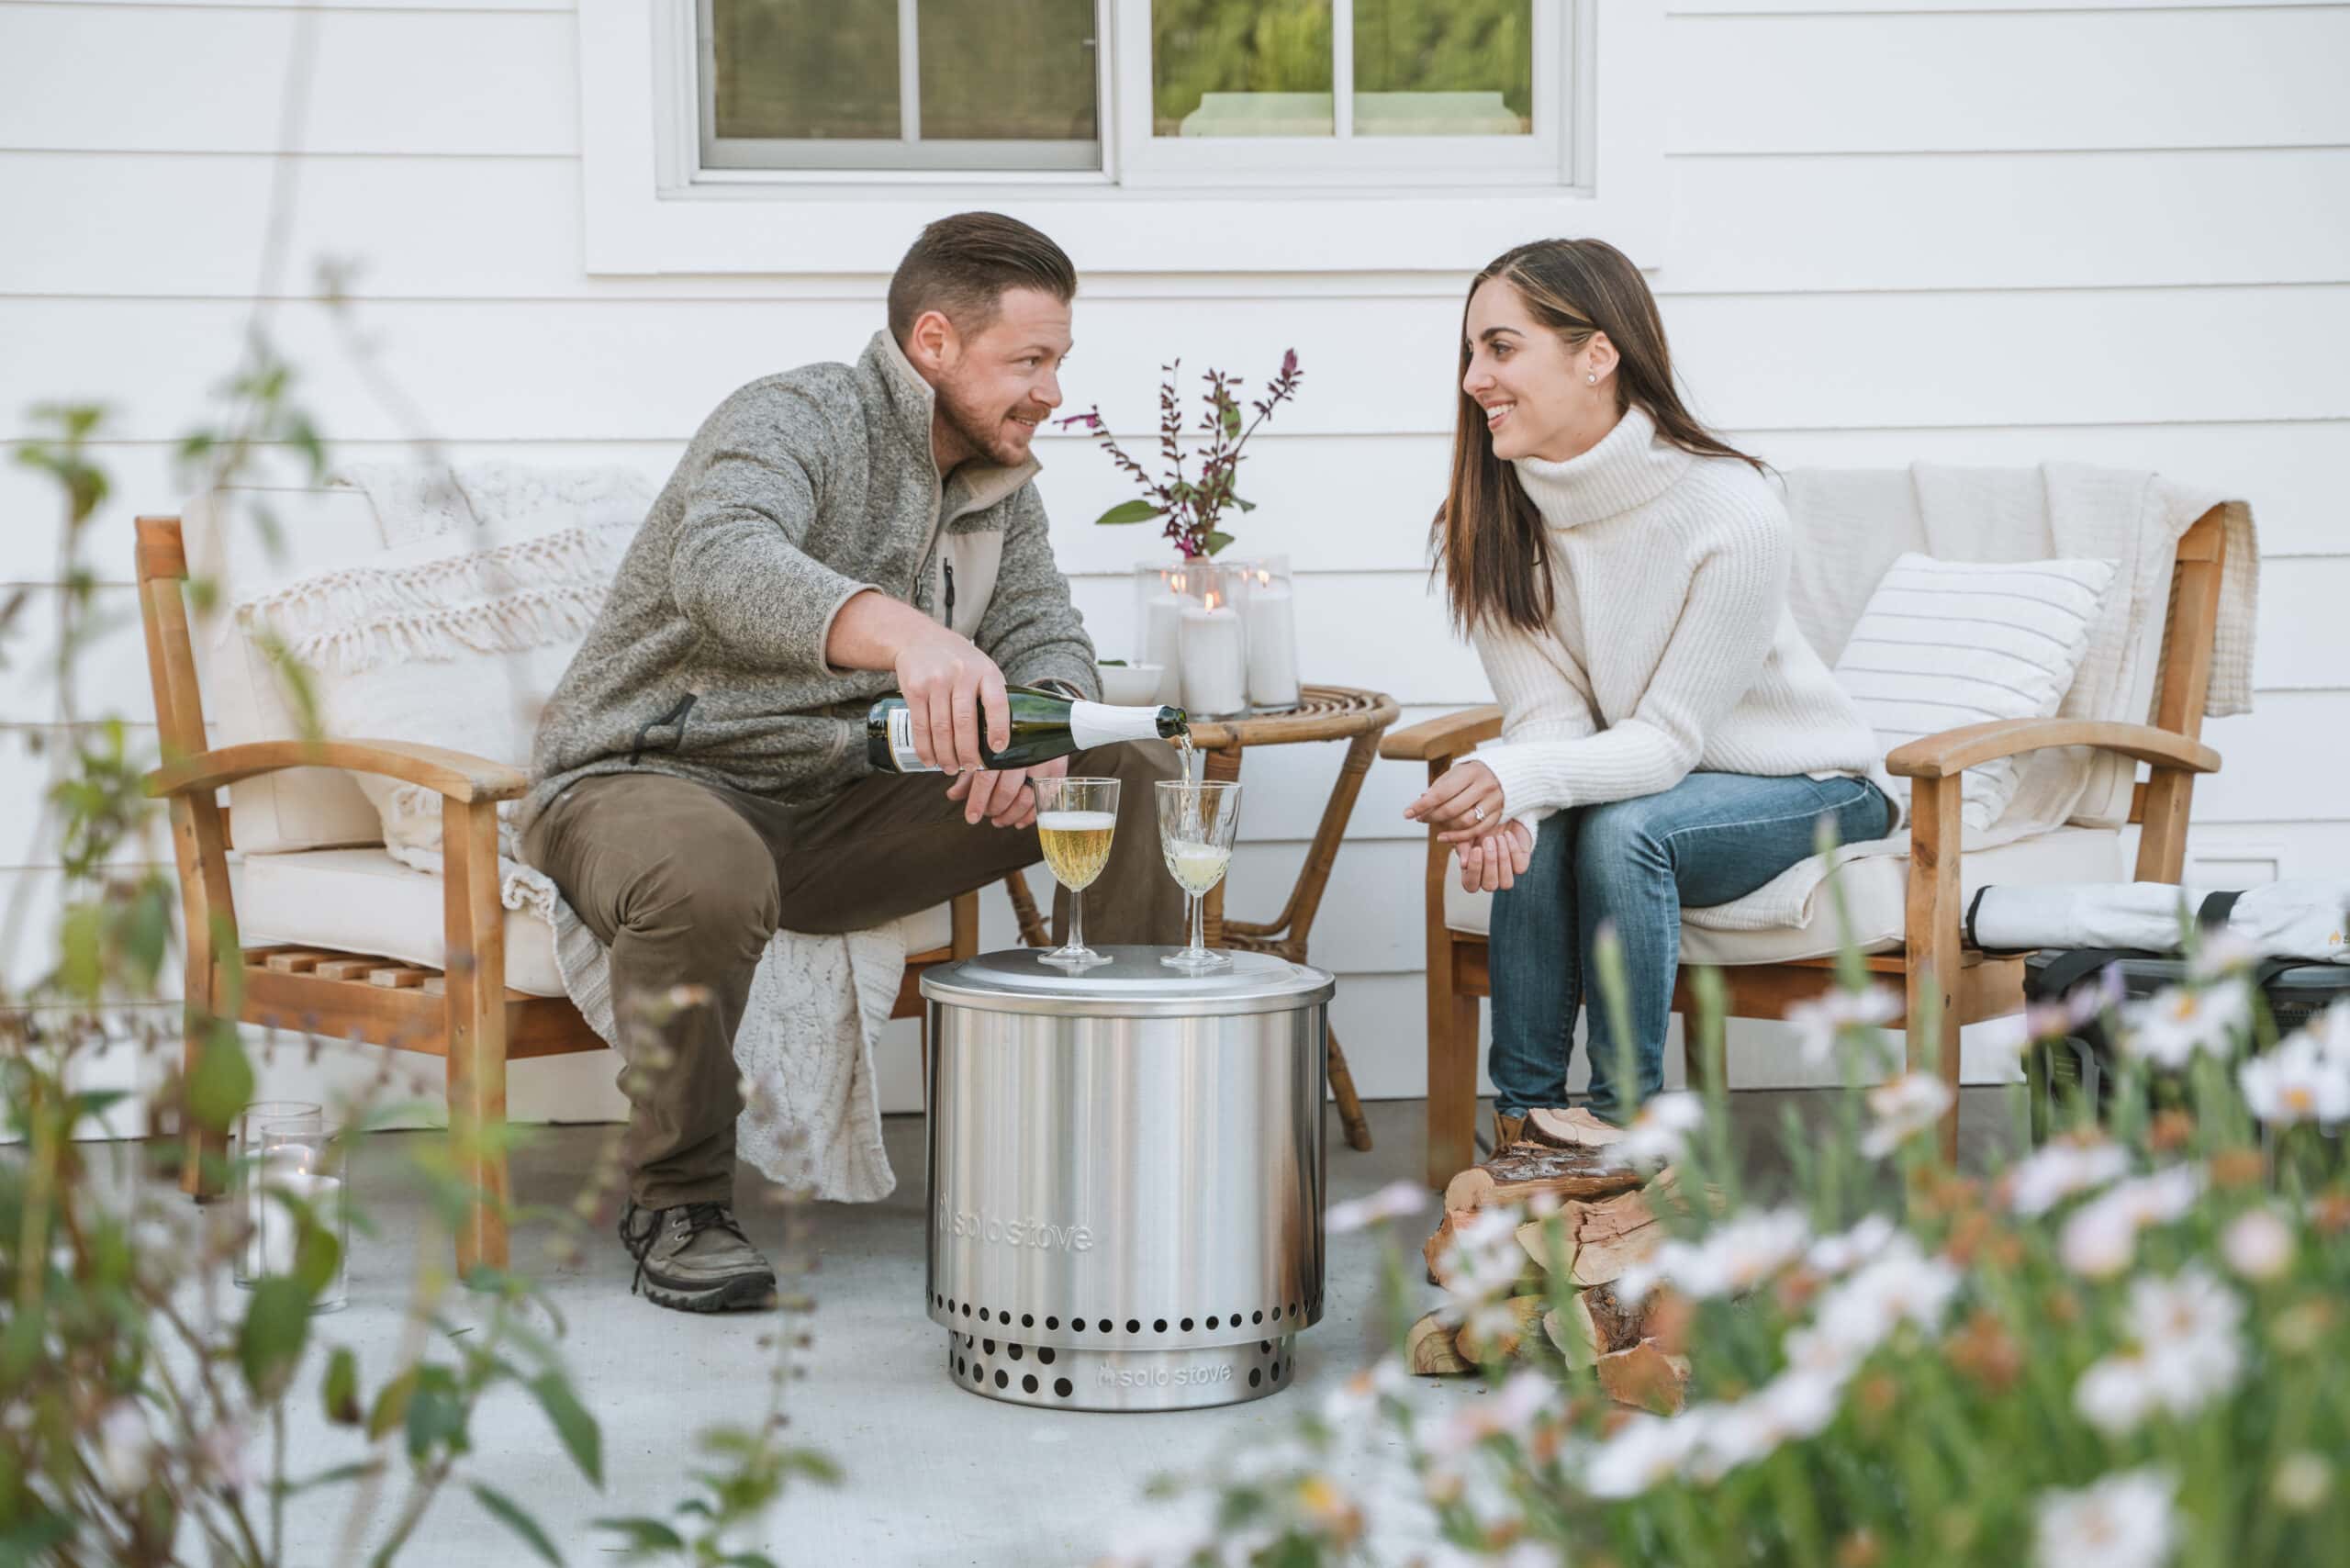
(1629,467)
(910,404)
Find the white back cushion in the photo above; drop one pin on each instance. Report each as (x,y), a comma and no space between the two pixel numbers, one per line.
(1942,643)
(245,542)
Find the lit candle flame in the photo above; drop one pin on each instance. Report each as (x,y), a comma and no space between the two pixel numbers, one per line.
(1212,600)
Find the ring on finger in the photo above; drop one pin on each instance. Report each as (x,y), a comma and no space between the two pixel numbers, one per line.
(1477,813)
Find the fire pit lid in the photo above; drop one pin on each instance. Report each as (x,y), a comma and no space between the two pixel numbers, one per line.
(1134,985)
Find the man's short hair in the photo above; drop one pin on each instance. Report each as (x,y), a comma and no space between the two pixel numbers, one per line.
(962,265)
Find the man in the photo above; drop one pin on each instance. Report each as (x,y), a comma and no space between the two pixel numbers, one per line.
(700,777)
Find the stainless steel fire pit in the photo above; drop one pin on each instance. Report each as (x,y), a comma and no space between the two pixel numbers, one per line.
(1125,1177)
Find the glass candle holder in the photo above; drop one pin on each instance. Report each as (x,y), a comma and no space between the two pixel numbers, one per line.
(1268,606)
(1213,645)
(1163,590)
(291,1192)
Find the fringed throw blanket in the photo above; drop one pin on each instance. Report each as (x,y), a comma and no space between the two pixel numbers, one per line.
(453,636)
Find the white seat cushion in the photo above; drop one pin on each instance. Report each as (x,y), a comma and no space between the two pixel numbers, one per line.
(1876,890)
(363,901)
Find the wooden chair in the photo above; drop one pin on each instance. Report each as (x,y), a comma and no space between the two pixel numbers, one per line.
(468,1015)
(1933,960)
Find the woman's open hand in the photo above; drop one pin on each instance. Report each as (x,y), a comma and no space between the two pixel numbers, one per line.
(1496,860)
(1464,803)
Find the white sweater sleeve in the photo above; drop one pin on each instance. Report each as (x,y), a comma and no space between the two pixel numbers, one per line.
(1545,697)
(1721,636)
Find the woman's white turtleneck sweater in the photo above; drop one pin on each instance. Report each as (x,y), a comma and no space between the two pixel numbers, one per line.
(1671,649)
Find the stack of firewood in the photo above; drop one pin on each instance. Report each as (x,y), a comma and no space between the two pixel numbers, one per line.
(1604,1225)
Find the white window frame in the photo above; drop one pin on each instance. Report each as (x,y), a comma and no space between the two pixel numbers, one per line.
(1269,205)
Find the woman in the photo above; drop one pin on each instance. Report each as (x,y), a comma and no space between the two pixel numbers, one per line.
(1668,737)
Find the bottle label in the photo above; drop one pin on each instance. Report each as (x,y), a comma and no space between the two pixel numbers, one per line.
(1102,724)
(901,742)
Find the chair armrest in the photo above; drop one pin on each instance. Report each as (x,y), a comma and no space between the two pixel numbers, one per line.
(455,775)
(1448,736)
(1954,751)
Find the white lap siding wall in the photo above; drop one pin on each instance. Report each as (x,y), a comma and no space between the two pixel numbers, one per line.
(2114,234)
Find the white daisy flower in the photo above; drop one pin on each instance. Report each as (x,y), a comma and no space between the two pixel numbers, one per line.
(1901,1285)
(1508,1411)
(1903,1106)
(2188,1325)
(1483,1261)
(1731,1257)
(2300,1081)
(2169,1028)
(2101,1236)
(2258,1244)
(2331,1030)
(1356,1401)
(2116,1392)
(1821,1022)
(2122,1521)
(1660,1131)
(2221,952)
(2185,1352)
(1397,1199)
(2050,1175)
(1840,1254)
(1644,1452)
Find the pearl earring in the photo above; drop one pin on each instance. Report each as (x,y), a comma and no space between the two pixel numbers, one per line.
(1593,377)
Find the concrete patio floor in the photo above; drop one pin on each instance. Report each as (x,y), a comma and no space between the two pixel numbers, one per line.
(932,1474)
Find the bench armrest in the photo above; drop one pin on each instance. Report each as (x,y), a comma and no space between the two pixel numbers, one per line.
(1954,751)
(455,775)
(1449,736)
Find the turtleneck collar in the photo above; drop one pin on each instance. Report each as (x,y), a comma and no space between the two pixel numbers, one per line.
(978,482)
(1629,467)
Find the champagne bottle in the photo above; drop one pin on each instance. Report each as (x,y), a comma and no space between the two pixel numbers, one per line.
(1043,726)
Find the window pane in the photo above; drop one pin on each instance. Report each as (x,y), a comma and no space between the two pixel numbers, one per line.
(1021,70)
(1241,68)
(1444,67)
(804,69)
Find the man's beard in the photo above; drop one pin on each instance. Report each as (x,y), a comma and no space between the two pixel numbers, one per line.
(982,433)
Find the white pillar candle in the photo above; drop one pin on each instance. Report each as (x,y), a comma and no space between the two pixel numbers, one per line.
(272,1246)
(1162,645)
(1272,644)
(1215,663)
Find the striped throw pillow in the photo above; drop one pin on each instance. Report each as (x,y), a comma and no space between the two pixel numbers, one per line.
(1949,642)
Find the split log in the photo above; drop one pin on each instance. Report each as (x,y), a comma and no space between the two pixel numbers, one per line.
(1604,1260)
(1610,1216)
(1503,1344)
(1592,1243)
(1620,1324)
(1428,1347)
(1566,1129)
(1596,1323)
(1525,1170)
(1645,1377)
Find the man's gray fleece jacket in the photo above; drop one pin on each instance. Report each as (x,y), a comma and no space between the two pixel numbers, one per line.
(802,490)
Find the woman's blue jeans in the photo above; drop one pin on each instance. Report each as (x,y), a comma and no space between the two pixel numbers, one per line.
(1710,839)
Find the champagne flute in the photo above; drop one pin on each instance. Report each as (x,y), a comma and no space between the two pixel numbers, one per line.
(1196,822)
(1075,819)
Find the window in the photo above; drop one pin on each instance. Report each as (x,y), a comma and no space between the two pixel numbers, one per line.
(1187,91)
(1272,137)
(908,84)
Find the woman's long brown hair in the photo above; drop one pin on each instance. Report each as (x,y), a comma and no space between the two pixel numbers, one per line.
(1489,539)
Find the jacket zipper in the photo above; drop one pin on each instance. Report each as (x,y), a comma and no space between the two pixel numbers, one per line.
(949,566)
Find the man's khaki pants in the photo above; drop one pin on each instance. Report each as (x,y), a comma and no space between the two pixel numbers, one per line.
(685,883)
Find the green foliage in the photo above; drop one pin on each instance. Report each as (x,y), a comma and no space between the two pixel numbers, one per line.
(2119,1351)
(1192,507)
(510,1514)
